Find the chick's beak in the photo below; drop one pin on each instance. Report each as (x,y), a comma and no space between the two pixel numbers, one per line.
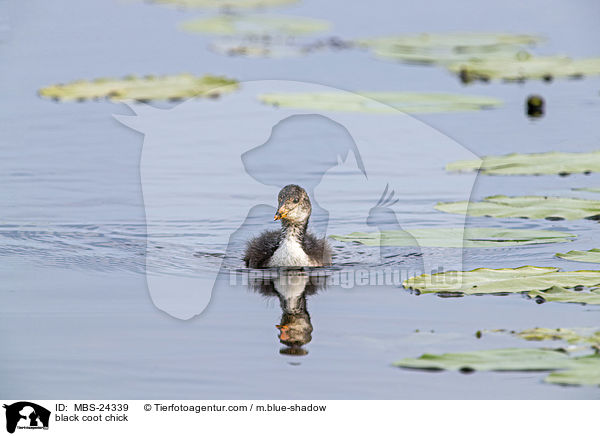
(281,213)
(284,332)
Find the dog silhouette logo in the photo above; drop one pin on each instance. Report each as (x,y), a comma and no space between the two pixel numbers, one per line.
(26,415)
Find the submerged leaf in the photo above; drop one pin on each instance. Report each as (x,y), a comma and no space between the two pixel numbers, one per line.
(501,206)
(253,49)
(531,164)
(572,336)
(277,46)
(257,25)
(142,89)
(592,255)
(519,68)
(470,237)
(545,282)
(225,4)
(411,102)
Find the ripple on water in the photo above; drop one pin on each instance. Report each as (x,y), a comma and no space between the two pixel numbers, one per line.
(180,248)
(109,247)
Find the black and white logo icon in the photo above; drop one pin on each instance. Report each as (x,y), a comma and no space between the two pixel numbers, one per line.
(26,415)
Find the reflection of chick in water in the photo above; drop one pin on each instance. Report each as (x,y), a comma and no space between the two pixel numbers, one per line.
(292,288)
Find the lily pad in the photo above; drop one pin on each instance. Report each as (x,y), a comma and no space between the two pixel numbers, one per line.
(592,256)
(585,372)
(411,102)
(543,282)
(505,359)
(595,190)
(532,164)
(256,25)
(562,295)
(522,67)
(142,89)
(470,237)
(501,206)
(580,370)
(225,4)
(446,48)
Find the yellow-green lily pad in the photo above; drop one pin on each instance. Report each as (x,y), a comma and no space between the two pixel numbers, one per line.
(586,371)
(411,102)
(566,369)
(547,283)
(256,25)
(594,190)
(432,48)
(470,237)
(142,89)
(504,359)
(532,164)
(225,4)
(592,256)
(562,295)
(521,67)
(501,206)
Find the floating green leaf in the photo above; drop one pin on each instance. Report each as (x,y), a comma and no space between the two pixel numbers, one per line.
(501,206)
(532,164)
(225,4)
(256,25)
(585,372)
(543,282)
(411,102)
(142,89)
(580,370)
(446,48)
(595,190)
(471,237)
(525,67)
(562,295)
(592,255)
(506,359)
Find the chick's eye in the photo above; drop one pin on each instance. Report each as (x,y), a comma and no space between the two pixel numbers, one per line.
(296,200)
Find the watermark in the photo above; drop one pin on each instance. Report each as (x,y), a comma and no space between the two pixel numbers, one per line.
(345,279)
(218,165)
(25,415)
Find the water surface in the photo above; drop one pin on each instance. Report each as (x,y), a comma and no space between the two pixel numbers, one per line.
(77,319)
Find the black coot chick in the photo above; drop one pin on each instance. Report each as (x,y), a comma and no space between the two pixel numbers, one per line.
(292,245)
